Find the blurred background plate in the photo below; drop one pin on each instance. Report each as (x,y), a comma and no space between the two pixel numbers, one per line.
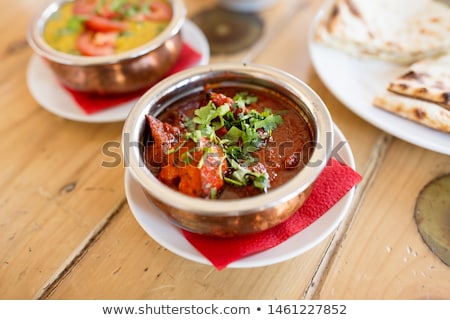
(46,90)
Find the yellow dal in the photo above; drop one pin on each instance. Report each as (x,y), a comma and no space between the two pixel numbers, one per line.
(137,34)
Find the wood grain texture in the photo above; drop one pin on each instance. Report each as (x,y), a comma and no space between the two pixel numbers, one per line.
(67,232)
(54,192)
(126,263)
(383,255)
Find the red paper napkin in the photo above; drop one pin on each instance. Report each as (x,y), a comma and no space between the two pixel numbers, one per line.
(92,103)
(333,183)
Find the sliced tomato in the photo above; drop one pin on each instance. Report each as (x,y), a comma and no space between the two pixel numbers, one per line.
(101,24)
(84,7)
(96,44)
(159,11)
(98,7)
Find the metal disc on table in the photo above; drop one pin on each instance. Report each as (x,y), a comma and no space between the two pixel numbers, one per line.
(432,215)
(229,31)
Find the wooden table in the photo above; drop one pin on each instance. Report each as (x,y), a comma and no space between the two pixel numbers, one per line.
(67,231)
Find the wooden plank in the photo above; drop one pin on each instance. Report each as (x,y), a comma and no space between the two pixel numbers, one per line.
(54,192)
(125,263)
(383,255)
(54,195)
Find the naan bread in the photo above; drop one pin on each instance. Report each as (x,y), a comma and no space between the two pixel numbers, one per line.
(426,113)
(427,79)
(401,31)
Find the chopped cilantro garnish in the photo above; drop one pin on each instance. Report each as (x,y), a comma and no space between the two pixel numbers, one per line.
(246,131)
(242,176)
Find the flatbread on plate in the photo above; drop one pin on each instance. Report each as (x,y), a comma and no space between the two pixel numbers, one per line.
(400,31)
(427,79)
(430,114)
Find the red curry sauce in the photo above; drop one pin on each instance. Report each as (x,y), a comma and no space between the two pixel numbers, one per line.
(202,168)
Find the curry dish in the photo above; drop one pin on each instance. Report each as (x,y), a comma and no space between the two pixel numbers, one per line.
(102,27)
(228,143)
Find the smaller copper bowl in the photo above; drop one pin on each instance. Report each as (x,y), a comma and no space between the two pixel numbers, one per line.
(117,73)
(228,217)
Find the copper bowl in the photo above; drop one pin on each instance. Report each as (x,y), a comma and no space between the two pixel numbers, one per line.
(123,72)
(228,217)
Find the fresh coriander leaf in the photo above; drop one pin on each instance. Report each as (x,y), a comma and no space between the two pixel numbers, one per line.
(187,157)
(194,135)
(213,193)
(233,182)
(220,113)
(242,176)
(233,135)
(209,133)
(205,114)
(269,123)
(242,99)
(251,137)
(233,153)
(178,148)
(223,109)
(249,148)
(261,182)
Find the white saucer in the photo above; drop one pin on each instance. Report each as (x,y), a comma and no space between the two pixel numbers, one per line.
(46,90)
(167,235)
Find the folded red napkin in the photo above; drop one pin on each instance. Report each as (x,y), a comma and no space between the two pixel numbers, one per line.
(92,103)
(333,183)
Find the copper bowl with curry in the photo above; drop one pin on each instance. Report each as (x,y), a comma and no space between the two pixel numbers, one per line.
(108,46)
(228,149)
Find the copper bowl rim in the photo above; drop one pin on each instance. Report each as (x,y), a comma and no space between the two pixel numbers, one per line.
(41,47)
(134,127)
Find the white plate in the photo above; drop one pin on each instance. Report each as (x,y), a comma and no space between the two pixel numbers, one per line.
(166,234)
(45,88)
(356,81)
